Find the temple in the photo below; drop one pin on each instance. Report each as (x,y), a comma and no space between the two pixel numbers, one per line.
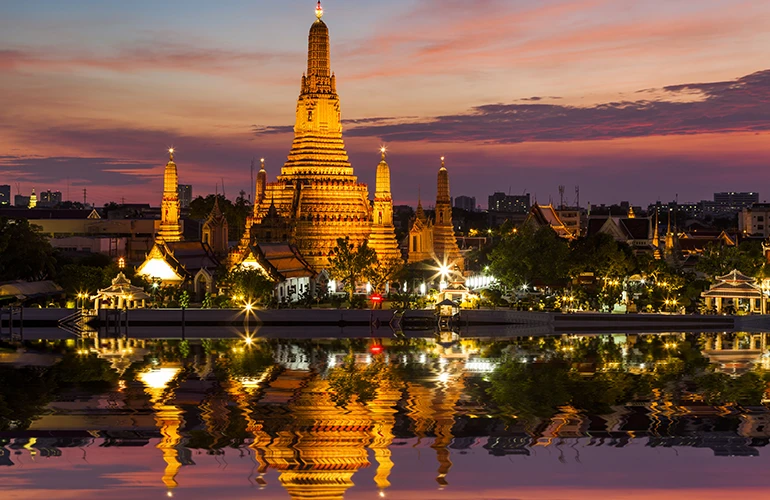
(435,240)
(317,198)
(383,234)
(170,228)
(174,262)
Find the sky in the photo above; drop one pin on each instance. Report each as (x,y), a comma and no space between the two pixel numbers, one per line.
(629,100)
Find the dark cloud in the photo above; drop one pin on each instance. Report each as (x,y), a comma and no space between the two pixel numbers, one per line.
(49,172)
(375,120)
(742,105)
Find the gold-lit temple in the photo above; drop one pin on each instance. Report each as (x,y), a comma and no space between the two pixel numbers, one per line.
(170,228)
(317,198)
(435,239)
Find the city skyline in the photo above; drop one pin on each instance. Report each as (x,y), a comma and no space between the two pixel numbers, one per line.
(645,101)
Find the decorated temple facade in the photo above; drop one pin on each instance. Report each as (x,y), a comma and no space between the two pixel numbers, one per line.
(317,198)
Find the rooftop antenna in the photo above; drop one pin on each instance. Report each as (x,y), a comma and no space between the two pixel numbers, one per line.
(577,196)
(561,197)
(84,197)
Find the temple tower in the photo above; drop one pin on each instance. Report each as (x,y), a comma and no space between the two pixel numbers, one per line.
(444,242)
(261,182)
(317,192)
(383,235)
(170,228)
(215,230)
(420,244)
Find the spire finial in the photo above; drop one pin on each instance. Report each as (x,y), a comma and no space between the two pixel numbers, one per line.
(170,154)
(442,162)
(319,11)
(383,149)
(261,163)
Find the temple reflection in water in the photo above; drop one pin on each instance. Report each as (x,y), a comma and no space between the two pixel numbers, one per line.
(316,413)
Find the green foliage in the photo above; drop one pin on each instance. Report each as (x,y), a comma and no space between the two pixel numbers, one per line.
(530,255)
(350,263)
(251,283)
(75,278)
(26,254)
(184,299)
(383,271)
(235,213)
(602,255)
(718,260)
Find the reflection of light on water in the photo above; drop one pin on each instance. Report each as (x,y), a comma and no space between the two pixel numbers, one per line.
(443,377)
(158,379)
(251,382)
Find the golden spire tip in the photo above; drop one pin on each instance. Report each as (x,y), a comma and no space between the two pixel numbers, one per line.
(171,154)
(319,11)
(383,150)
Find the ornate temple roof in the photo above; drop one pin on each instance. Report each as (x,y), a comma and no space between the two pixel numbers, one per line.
(122,287)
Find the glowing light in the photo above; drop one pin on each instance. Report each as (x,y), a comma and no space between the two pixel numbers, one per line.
(158,269)
(248,340)
(158,379)
(376,349)
(249,306)
(319,12)
(443,377)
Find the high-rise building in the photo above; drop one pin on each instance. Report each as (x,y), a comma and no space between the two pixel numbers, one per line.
(184,193)
(5,194)
(21,201)
(734,201)
(466,203)
(501,202)
(49,198)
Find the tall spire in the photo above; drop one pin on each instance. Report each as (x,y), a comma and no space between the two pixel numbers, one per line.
(261,184)
(443,184)
(318,76)
(383,235)
(170,228)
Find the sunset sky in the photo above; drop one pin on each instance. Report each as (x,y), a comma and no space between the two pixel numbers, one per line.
(629,100)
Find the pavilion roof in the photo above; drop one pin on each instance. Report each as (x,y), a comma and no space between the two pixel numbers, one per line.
(122,287)
(737,290)
(736,276)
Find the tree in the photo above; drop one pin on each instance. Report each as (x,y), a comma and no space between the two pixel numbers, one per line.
(381,272)
(602,255)
(349,263)
(530,254)
(236,213)
(251,283)
(718,260)
(76,278)
(25,254)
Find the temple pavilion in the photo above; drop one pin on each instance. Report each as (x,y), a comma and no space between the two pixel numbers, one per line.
(738,290)
(317,198)
(120,294)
